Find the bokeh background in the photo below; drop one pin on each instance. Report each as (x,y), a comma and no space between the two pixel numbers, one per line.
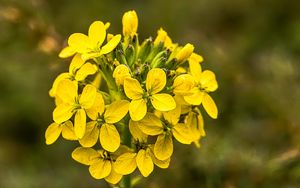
(252,45)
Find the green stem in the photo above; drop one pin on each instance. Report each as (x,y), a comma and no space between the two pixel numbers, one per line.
(115,94)
(106,73)
(126,138)
(127,181)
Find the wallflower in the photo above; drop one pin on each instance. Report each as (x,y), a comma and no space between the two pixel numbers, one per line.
(155,82)
(143,159)
(72,103)
(102,127)
(90,46)
(100,162)
(152,125)
(165,87)
(205,83)
(78,70)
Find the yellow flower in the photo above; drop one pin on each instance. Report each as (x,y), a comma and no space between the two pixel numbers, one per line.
(152,125)
(101,163)
(144,160)
(205,83)
(130,23)
(54,130)
(72,103)
(162,36)
(155,82)
(102,127)
(120,73)
(78,70)
(185,52)
(90,46)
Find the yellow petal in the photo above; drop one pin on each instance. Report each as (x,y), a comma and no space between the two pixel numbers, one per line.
(173,116)
(144,163)
(196,58)
(120,73)
(163,148)
(68,131)
(133,89)
(208,81)
(109,137)
(59,78)
(80,42)
(84,155)
(195,70)
(86,70)
(116,111)
(88,96)
(182,133)
(183,84)
(91,135)
(156,80)
(137,109)
(121,150)
(193,123)
(196,98)
(100,168)
(62,113)
(136,132)
(161,163)
(130,23)
(201,125)
(113,177)
(97,80)
(67,52)
(163,102)
(80,123)
(125,163)
(185,107)
(97,108)
(75,64)
(67,90)
(151,125)
(97,33)
(210,106)
(91,55)
(111,45)
(52,133)
(181,70)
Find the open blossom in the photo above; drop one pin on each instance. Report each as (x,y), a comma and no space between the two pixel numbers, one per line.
(125,103)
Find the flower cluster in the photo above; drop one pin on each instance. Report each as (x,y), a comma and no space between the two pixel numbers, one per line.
(125,102)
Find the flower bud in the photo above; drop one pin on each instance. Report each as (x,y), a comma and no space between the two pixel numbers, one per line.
(185,52)
(162,36)
(130,23)
(120,73)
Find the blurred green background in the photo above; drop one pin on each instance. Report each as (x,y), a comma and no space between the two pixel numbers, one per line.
(252,45)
